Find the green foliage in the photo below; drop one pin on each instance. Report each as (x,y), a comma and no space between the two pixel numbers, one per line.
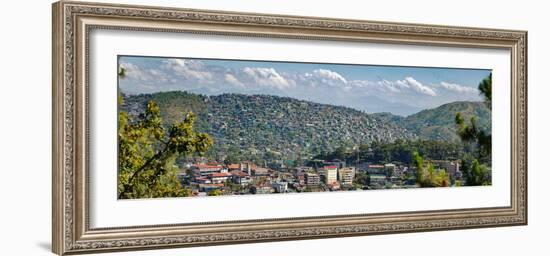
(472,133)
(362,179)
(398,151)
(419,164)
(228,184)
(477,174)
(216,192)
(121,72)
(147,153)
(435,124)
(458,183)
(270,128)
(485,87)
(478,141)
(428,176)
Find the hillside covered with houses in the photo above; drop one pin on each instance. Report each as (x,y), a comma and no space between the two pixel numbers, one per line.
(270,144)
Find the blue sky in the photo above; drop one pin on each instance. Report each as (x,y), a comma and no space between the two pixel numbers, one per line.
(370,88)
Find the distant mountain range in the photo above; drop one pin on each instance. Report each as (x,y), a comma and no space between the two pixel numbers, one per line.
(271,127)
(439,123)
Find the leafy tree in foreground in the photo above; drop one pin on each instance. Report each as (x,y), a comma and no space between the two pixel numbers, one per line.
(147,152)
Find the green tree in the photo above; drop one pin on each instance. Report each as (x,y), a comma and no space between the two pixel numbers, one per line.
(362,178)
(477,139)
(121,72)
(232,159)
(147,153)
(419,164)
(428,176)
(478,174)
(442,179)
(472,133)
(216,192)
(485,87)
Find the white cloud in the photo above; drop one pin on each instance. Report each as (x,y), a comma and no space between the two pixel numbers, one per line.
(188,69)
(267,77)
(392,86)
(458,88)
(134,72)
(320,78)
(233,80)
(319,85)
(410,82)
(329,76)
(406,86)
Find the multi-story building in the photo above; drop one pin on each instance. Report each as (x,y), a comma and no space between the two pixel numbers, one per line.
(219,177)
(204,170)
(376,169)
(301,178)
(312,179)
(330,174)
(234,167)
(346,175)
(240,177)
(303,169)
(337,163)
(201,180)
(247,167)
(280,187)
(260,189)
(377,180)
(260,171)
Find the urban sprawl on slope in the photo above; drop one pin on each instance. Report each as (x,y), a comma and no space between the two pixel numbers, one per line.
(212,178)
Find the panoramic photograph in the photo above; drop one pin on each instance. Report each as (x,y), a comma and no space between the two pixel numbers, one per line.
(192,127)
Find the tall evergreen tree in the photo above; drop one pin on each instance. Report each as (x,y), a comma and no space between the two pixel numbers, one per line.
(478,140)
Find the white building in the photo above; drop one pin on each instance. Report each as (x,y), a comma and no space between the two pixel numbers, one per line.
(330,173)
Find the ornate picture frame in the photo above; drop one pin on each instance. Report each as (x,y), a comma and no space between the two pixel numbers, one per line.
(72,25)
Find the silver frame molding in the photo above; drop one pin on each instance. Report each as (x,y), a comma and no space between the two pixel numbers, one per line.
(72,23)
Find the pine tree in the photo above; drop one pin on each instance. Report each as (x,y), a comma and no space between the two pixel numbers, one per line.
(478,140)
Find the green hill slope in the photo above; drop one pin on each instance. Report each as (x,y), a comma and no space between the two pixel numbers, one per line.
(439,123)
(271,127)
(266,128)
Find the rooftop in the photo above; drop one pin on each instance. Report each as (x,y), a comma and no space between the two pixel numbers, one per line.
(240,174)
(376,166)
(214,175)
(234,166)
(211,185)
(207,166)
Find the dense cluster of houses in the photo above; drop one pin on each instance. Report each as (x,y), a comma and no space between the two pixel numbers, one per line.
(249,178)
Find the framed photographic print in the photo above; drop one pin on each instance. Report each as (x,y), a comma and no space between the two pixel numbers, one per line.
(179,127)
